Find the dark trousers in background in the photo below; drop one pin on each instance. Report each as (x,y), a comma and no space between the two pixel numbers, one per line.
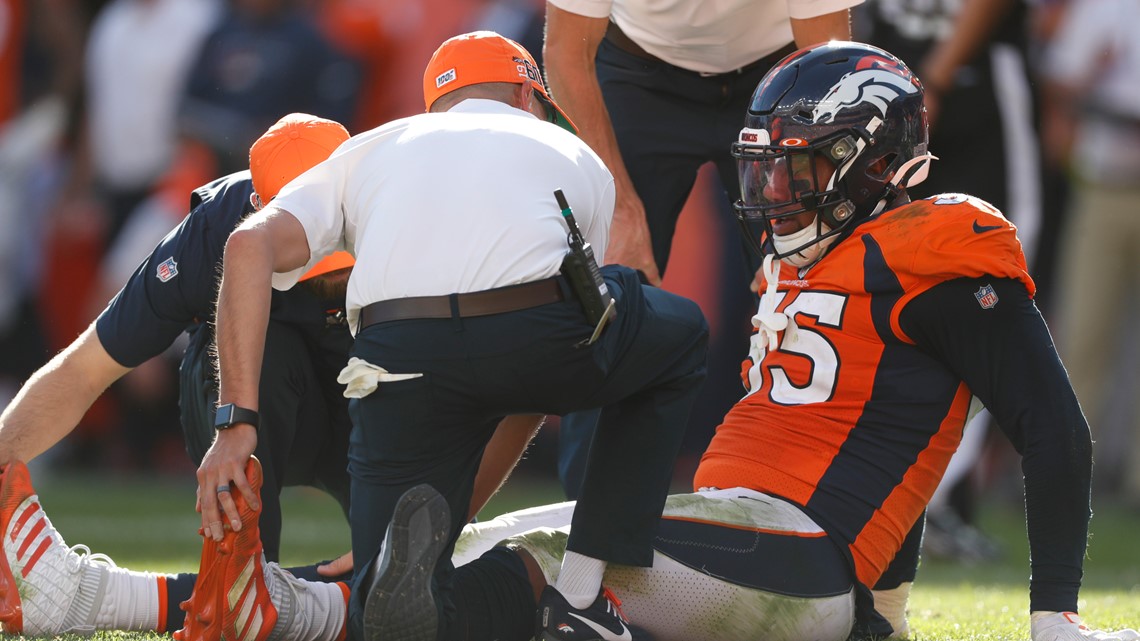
(645,371)
(668,123)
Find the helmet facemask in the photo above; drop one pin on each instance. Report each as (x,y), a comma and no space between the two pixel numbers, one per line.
(783,181)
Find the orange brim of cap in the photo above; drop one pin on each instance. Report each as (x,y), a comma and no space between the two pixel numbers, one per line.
(330,263)
(555,113)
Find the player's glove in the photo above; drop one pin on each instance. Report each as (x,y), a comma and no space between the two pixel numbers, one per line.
(1067,626)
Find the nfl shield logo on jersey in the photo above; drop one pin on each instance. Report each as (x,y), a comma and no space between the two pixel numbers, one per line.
(987,297)
(167,269)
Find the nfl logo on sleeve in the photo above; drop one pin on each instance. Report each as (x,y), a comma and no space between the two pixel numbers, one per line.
(987,297)
(167,269)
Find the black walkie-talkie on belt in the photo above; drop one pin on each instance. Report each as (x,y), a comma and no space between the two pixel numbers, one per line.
(581,270)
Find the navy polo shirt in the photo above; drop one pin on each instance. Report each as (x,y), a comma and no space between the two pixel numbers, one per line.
(175,288)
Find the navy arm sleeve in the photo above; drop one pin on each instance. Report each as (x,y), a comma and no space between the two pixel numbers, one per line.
(171,290)
(176,286)
(1007,358)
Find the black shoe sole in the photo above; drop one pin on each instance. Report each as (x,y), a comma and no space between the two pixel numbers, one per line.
(400,605)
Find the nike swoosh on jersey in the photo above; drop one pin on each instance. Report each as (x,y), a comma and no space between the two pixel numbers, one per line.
(605,633)
(981,229)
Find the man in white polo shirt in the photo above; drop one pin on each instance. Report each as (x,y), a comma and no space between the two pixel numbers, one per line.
(465,309)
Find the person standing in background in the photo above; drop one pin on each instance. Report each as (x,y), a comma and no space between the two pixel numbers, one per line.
(1093,127)
(656,88)
(265,58)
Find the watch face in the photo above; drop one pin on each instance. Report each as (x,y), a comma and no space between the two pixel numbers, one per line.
(224,417)
(229,414)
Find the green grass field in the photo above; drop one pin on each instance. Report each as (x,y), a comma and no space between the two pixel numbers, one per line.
(149,524)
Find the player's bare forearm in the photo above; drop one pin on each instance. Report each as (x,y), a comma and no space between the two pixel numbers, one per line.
(55,398)
(631,243)
(973,27)
(571,44)
(501,455)
(243,316)
(270,241)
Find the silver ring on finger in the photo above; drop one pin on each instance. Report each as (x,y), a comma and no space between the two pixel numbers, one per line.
(223,488)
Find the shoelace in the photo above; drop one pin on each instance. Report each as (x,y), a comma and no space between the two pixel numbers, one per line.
(78,554)
(74,559)
(614,603)
(767,319)
(275,576)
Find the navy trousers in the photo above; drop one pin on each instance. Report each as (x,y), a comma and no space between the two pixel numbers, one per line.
(644,372)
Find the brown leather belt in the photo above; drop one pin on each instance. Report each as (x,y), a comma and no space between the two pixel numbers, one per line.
(618,39)
(491,301)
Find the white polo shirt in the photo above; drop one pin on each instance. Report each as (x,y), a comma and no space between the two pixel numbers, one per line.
(138,58)
(708,36)
(1096,50)
(453,202)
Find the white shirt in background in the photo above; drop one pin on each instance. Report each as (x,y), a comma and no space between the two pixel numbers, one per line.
(707,36)
(139,53)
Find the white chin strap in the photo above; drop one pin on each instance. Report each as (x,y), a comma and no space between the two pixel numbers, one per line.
(908,175)
(809,254)
(919,174)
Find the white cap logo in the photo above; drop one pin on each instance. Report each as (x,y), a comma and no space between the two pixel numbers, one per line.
(751,136)
(444,78)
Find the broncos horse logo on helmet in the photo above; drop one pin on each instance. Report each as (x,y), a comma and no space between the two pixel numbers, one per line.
(874,86)
(842,105)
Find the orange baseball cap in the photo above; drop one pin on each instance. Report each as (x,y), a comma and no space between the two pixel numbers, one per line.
(289,148)
(292,146)
(485,56)
(330,263)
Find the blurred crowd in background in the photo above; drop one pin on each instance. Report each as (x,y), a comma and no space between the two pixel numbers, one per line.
(112,111)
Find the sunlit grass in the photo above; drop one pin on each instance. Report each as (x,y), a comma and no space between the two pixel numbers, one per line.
(151,525)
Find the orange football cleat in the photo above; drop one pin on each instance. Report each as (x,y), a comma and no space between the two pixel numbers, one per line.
(230,598)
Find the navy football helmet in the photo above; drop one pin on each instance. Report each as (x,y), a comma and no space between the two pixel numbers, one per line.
(838,129)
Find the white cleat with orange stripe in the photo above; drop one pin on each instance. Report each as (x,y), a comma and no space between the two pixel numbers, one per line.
(46,588)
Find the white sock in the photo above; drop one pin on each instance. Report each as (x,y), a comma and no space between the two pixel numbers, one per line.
(126,600)
(580,579)
(306,610)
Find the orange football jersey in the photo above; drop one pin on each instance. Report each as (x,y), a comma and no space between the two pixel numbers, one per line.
(848,417)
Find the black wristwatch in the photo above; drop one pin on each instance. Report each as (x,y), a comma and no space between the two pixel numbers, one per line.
(229,415)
